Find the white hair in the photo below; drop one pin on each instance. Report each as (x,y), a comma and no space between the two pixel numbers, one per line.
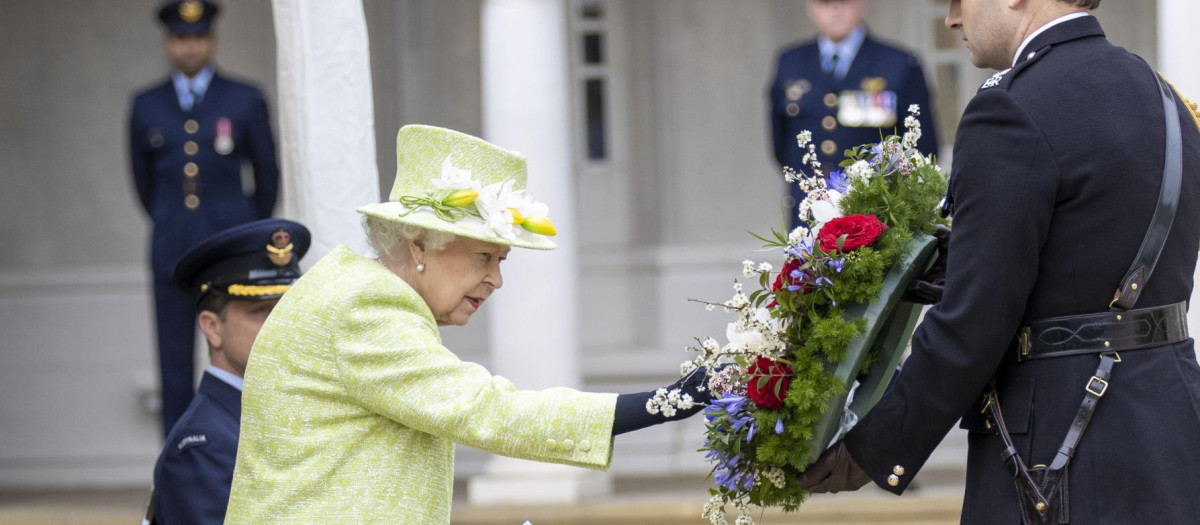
(390,239)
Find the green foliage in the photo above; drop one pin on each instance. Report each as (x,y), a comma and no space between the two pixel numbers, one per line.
(903,191)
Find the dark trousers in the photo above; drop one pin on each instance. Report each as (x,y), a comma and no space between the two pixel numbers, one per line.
(176,320)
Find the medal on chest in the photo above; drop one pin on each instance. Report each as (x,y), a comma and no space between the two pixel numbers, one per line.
(224,141)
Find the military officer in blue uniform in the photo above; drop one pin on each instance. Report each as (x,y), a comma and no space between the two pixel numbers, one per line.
(235,277)
(846,88)
(189,138)
(1076,173)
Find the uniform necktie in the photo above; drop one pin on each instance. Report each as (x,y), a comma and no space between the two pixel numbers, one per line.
(832,67)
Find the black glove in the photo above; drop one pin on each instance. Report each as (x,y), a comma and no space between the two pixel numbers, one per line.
(631,411)
(928,288)
(834,471)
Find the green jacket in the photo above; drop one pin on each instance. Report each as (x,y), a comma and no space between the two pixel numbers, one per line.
(352,407)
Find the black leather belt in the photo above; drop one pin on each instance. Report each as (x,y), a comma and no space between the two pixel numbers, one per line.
(1102,332)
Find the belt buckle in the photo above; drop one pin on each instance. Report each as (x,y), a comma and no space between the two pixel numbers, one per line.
(1096,391)
(1023,342)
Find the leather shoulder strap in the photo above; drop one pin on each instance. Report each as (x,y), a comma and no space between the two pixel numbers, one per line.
(1164,215)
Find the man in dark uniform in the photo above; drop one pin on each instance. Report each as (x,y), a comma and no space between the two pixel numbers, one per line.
(235,277)
(189,137)
(846,88)
(1059,167)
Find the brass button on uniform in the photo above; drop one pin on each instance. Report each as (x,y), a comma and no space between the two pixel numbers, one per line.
(793,109)
(191,148)
(831,100)
(893,480)
(898,470)
(829,123)
(191,202)
(191,169)
(828,147)
(191,126)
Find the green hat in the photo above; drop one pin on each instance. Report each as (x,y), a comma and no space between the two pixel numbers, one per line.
(452,182)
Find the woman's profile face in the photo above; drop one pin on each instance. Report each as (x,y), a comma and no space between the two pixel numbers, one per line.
(457,280)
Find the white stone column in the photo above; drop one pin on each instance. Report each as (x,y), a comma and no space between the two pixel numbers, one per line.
(533,333)
(327,119)
(1177,42)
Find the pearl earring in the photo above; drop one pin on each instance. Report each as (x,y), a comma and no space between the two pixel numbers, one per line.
(420,267)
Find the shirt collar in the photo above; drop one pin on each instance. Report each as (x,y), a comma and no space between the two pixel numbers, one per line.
(847,48)
(198,83)
(1052,23)
(228,377)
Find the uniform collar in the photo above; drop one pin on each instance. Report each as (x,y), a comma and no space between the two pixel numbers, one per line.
(1043,36)
(845,50)
(228,377)
(224,394)
(185,87)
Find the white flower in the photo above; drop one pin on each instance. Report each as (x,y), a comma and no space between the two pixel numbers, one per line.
(493,204)
(914,109)
(803,138)
(797,235)
(860,170)
(826,210)
(762,268)
(687,367)
(747,268)
(748,341)
(668,411)
(453,178)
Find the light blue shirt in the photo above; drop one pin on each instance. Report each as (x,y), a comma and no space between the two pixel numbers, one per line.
(845,51)
(224,375)
(185,87)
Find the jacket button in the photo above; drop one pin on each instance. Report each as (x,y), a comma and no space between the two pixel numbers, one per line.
(829,123)
(585,446)
(191,126)
(551,444)
(898,470)
(568,445)
(831,100)
(793,109)
(828,147)
(191,169)
(893,480)
(191,148)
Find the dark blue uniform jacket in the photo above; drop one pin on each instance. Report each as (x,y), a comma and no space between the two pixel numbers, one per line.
(1057,169)
(195,471)
(881,79)
(231,127)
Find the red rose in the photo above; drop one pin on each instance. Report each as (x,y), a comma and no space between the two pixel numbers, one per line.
(860,230)
(784,279)
(768,383)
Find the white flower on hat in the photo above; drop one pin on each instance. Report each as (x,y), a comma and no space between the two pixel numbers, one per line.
(453,178)
(494,203)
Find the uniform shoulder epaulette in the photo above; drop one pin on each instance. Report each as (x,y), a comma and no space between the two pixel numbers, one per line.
(1192,107)
(1004,78)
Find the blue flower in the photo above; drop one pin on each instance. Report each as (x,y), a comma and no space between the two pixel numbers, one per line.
(838,182)
(750,433)
(824,281)
(837,264)
(801,250)
(779,426)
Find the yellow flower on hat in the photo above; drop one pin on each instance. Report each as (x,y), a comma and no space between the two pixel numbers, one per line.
(460,198)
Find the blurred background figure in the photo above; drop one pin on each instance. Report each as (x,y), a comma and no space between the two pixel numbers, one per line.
(846,88)
(189,137)
(235,278)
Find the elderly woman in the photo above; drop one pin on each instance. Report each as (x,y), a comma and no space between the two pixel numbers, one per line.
(352,406)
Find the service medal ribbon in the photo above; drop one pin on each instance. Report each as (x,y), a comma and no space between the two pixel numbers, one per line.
(224,141)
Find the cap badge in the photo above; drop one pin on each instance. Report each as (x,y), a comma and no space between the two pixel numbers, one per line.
(280,249)
(191,11)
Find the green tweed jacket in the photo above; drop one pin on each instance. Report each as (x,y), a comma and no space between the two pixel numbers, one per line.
(352,407)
